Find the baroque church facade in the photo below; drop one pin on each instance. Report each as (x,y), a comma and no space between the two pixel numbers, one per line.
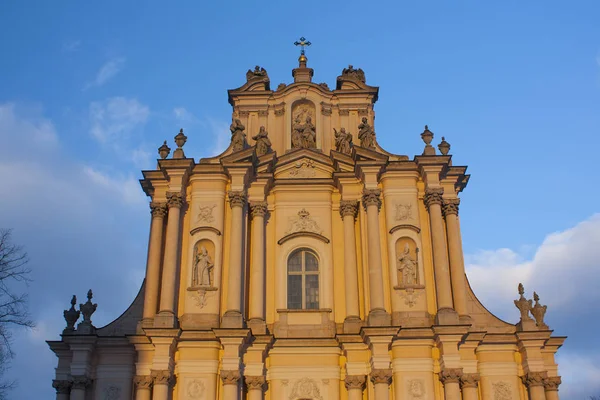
(306,262)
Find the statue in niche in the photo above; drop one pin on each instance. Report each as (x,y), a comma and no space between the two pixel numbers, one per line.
(407,266)
(238,137)
(366,134)
(203,266)
(304,134)
(263,143)
(343,141)
(309,134)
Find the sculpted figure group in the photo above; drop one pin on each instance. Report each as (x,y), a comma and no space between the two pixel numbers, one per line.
(304,135)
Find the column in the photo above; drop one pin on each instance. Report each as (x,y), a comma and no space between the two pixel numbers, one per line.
(348,211)
(169,278)
(63,388)
(233,316)
(230,384)
(355,384)
(80,384)
(468,384)
(457,263)
(381,379)
(450,377)
(257,269)
(433,202)
(159,210)
(372,204)
(143,387)
(551,387)
(255,385)
(535,384)
(162,381)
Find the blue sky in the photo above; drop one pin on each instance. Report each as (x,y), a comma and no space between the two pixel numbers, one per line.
(88,92)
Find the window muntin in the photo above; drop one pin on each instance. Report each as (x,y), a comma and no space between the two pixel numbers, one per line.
(303,280)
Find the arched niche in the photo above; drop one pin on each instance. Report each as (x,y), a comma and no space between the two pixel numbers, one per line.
(304,129)
(202,271)
(407,263)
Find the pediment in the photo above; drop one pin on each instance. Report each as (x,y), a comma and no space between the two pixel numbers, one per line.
(239,157)
(362,154)
(303,164)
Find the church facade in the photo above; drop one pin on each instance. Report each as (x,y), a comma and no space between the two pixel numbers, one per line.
(306,262)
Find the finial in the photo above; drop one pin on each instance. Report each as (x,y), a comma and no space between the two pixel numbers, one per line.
(444,146)
(526,323)
(164,150)
(87,309)
(302,42)
(180,140)
(71,316)
(539,311)
(521,289)
(536,298)
(427,137)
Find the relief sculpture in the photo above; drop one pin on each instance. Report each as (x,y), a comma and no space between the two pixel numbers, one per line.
(304,135)
(502,391)
(416,389)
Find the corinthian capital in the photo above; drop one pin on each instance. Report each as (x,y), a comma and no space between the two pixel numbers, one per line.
(162,377)
(230,377)
(237,198)
(381,376)
(450,206)
(143,381)
(552,383)
(348,208)
(450,375)
(81,382)
(532,379)
(62,386)
(433,196)
(158,209)
(175,199)
(469,380)
(254,382)
(355,382)
(371,197)
(258,209)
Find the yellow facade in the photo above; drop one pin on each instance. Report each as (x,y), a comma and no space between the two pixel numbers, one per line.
(304,266)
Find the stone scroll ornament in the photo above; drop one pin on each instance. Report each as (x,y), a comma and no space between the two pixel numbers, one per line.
(238,137)
(366,134)
(343,141)
(263,143)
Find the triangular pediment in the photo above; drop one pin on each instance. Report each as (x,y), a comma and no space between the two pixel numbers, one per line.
(303,164)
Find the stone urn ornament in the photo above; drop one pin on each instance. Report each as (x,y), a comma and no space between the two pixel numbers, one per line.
(444,146)
(180,140)
(427,137)
(164,150)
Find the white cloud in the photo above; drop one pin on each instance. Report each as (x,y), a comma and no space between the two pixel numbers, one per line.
(184,116)
(115,119)
(221,136)
(71,46)
(126,188)
(580,376)
(108,71)
(33,131)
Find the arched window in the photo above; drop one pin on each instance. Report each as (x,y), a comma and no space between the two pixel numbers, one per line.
(303,280)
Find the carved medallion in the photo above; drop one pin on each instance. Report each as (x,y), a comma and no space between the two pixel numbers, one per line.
(415,389)
(404,212)
(303,169)
(303,223)
(502,391)
(195,389)
(205,214)
(305,388)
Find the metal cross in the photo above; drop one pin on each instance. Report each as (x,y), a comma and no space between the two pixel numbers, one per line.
(303,42)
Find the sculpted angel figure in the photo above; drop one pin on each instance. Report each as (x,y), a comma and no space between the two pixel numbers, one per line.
(203,265)
(238,137)
(408,267)
(263,143)
(343,141)
(298,129)
(366,134)
(309,134)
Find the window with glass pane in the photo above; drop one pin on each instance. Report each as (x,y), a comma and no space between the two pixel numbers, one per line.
(303,280)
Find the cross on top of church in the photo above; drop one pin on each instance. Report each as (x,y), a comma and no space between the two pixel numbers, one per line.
(302,42)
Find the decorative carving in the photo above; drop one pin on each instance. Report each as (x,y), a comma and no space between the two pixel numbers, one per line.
(71,316)
(444,147)
(164,150)
(326,107)
(469,380)
(410,295)
(80,382)
(450,375)
(180,140)
(263,113)
(408,266)
(175,199)
(348,208)
(366,134)
(381,376)
(237,198)
(143,381)
(305,388)
(62,386)
(450,206)
(230,377)
(281,86)
(532,379)
(205,213)
(203,266)
(371,197)
(539,311)
(158,210)
(304,134)
(416,389)
(254,382)
(195,389)
(303,223)
(257,73)
(238,137)
(352,73)
(343,141)
(502,391)
(263,143)
(324,85)
(344,112)
(303,169)
(427,137)
(403,212)
(244,114)
(552,383)
(363,112)
(258,209)
(355,382)
(112,393)
(87,309)
(433,196)
(162,377)
(523,304)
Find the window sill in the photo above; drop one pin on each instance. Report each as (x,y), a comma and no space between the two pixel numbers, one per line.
(291,311)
